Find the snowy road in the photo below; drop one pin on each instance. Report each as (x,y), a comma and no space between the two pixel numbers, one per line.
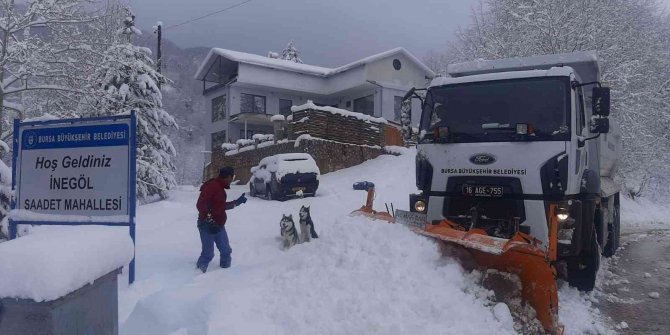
(638,273)
(358,277)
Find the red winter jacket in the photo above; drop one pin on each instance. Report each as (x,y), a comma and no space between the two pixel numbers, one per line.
(212,200)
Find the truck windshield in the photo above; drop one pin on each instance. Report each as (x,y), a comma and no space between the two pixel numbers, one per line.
(489,111)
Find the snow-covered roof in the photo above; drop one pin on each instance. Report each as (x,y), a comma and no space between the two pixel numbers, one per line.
(552,72)
(585,63)
(243,57)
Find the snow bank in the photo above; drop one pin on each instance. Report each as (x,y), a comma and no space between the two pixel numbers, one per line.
(643,213)
(49,264)
(578,314)
(343,112)
(354,279)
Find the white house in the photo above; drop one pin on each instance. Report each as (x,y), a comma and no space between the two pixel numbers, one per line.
(245,90)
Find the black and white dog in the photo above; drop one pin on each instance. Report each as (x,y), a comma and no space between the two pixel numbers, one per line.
(306,225)
(288,231)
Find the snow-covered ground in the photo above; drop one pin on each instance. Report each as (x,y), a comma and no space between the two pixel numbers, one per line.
(643,214)
(358,277)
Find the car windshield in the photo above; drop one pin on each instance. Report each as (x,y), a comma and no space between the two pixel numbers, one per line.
(489,111)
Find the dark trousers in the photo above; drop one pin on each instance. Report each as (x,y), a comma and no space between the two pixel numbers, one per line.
(208,240)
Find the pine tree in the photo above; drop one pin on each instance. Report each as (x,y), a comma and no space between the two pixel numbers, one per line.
(406,120)
(126,81)
(291,53)
(5,193)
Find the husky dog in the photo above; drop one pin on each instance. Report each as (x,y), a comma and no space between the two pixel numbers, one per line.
(306,225)
(288,232)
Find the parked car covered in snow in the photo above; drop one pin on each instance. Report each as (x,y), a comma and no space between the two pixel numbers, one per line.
(285,175)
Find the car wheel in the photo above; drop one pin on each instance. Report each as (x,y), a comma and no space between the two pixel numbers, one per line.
(268,193)
(252,191)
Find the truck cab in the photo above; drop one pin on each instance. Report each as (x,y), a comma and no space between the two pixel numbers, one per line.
(500,141)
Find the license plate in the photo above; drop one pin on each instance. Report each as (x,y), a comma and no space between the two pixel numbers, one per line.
(411,219)
(482,191)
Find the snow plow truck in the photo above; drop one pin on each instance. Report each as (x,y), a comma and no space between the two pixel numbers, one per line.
(514,163)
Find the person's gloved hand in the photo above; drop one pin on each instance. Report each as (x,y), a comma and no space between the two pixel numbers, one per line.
(242,199)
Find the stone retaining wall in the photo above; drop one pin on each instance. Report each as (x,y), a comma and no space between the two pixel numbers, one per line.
(329,156)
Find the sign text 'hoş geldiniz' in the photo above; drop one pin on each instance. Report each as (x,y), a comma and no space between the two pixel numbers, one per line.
(80,169)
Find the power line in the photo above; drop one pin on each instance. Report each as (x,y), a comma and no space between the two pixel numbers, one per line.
(207,15)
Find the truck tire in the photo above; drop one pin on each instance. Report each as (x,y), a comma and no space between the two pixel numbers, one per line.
(582,270)
(252,189)
(613,231)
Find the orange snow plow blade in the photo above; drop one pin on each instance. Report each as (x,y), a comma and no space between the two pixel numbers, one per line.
(366,210)
(522,255)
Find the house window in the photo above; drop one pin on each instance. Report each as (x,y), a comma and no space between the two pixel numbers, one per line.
(252,103)
(218,138)
(285,107)
(396,64)
(348,104)
(249,134)
(397,108)
(219,108)
(365,105)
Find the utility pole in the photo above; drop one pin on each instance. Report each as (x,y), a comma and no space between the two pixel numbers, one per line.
(158,29)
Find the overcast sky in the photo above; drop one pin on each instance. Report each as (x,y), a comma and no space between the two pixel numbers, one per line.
(327,32)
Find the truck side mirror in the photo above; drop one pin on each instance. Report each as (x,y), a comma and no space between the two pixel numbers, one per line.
(601,101)
(409,94)
(600,126)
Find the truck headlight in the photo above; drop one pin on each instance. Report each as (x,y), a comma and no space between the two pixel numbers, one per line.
(420,206)
(562,214)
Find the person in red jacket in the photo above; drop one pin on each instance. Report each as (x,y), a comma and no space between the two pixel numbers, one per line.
(212,206)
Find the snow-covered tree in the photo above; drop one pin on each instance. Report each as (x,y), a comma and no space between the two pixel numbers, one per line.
(632,38)
(126,81)
(291,53)
(39,44)
(5,193)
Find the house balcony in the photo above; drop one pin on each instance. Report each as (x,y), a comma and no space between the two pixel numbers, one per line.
(252,118)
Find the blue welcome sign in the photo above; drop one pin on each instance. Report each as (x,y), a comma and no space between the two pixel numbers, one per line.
(75,172)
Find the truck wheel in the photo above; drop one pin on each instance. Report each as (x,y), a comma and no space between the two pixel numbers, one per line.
(613,232)
(582,270)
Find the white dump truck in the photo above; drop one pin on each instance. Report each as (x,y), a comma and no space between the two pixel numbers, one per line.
(515,160)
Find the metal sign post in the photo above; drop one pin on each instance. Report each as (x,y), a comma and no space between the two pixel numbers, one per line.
(75,172)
